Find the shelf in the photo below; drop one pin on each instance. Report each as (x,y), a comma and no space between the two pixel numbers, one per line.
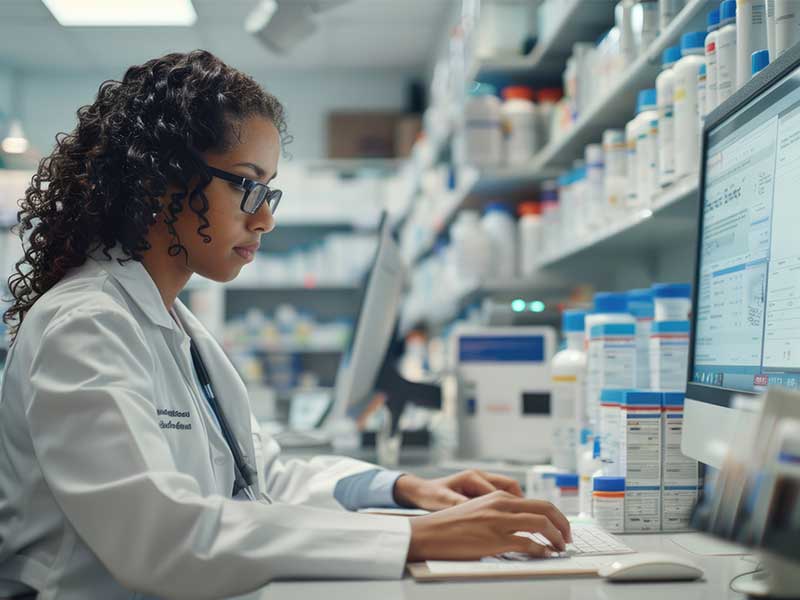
(497,181)
(674,214)
(618,105)
(291,288)
(581,21)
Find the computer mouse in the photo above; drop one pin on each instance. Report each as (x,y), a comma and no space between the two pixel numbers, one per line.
(650,566)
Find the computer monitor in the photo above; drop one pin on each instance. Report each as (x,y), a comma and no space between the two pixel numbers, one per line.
(368,365)
(746,329)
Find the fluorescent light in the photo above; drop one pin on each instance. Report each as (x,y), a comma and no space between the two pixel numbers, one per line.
(15,142)
(122,13)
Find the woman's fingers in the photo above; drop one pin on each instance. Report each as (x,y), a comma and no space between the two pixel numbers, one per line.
(519,543)
(537,507)
(473,483)
(501,482)
(535,524)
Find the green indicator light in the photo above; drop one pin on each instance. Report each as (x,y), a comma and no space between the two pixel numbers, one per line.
(518,305)
(537,306)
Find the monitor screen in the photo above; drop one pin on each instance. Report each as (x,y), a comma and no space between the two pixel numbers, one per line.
(747,328)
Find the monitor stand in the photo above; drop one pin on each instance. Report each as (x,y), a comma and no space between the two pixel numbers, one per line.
(779,579)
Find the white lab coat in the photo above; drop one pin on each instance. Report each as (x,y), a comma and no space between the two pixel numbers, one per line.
(101,497)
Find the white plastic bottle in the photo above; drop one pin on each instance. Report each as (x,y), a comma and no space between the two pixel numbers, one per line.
(726,51)
(650,23)
(547,99)
(640,305)
(471,247)
(595,174)
(702,90)
(672,301)
(668,10)
(616,161)
(687,120)
(751,35)
(520,124)
(609,308)
(632,169)
(646,131)
(665,90)
(530,232)
(787,25)
(711,61)
(498,224)
(483,133)
(568,381)
(771,33)
(589,465)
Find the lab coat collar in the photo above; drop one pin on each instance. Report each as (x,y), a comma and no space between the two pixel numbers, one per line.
(136,281)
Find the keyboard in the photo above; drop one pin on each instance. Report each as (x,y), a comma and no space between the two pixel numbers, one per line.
(587,540)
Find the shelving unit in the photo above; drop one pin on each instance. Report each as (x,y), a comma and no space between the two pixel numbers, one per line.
(581,20)
(673,214)
(617,106)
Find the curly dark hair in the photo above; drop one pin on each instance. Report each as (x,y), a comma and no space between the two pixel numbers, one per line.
(100,186)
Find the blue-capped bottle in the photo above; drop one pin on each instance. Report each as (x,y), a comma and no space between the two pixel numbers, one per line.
(687,124)
(568,387)
(665,91)
(711,60)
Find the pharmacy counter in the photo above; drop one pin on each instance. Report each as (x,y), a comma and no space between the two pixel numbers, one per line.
(719,571)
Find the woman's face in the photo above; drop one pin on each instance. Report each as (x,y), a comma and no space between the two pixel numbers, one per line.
(234,234)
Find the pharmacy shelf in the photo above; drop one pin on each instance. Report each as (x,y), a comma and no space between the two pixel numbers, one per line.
(291,288)
(581,21)
(293,349)
(672,217)
(618,105)
(477,185)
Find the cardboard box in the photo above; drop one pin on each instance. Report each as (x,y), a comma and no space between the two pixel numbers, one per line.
(362,134)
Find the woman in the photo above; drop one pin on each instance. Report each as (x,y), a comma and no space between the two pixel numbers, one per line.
(117,477)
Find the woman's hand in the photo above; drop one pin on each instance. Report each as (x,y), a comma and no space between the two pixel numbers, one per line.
(436,494)
(486,526)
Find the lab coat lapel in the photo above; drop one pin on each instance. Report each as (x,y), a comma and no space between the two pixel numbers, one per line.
(228,385)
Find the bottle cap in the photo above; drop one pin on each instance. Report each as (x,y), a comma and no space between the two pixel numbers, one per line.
(727,11)
(712,21)
(672,290)
(609,484)
(610,302)
(573,320)
(671,55)
(532,207)
(497,207)
(549,95)
(759,60)
(646,101)
(693,41)
(567,480)
(518,92)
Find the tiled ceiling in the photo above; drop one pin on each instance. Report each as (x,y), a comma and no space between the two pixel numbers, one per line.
(357,34)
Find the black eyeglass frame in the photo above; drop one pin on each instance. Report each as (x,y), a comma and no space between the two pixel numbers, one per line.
(271,196)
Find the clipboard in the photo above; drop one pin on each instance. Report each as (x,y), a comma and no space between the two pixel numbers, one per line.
(578,566)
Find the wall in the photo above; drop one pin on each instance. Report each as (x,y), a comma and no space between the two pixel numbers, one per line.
(50,101)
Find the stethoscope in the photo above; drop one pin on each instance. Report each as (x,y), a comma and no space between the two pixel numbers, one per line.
(243,471)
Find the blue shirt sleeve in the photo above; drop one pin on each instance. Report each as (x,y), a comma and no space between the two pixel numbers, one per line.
(369,489)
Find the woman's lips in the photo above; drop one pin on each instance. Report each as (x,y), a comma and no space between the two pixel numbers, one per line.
(248,253)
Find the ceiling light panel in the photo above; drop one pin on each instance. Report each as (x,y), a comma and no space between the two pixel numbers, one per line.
(122,13)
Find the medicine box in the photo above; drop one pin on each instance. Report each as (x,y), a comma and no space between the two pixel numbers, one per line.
(640,456)
(680,475)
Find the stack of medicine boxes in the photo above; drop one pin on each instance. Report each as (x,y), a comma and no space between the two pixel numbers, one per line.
(641,428)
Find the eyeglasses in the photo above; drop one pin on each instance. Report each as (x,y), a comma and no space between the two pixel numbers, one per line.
(254,193)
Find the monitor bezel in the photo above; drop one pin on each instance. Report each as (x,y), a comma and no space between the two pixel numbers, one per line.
(789,61)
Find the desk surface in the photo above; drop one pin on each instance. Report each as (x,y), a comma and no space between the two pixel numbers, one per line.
(719,570)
